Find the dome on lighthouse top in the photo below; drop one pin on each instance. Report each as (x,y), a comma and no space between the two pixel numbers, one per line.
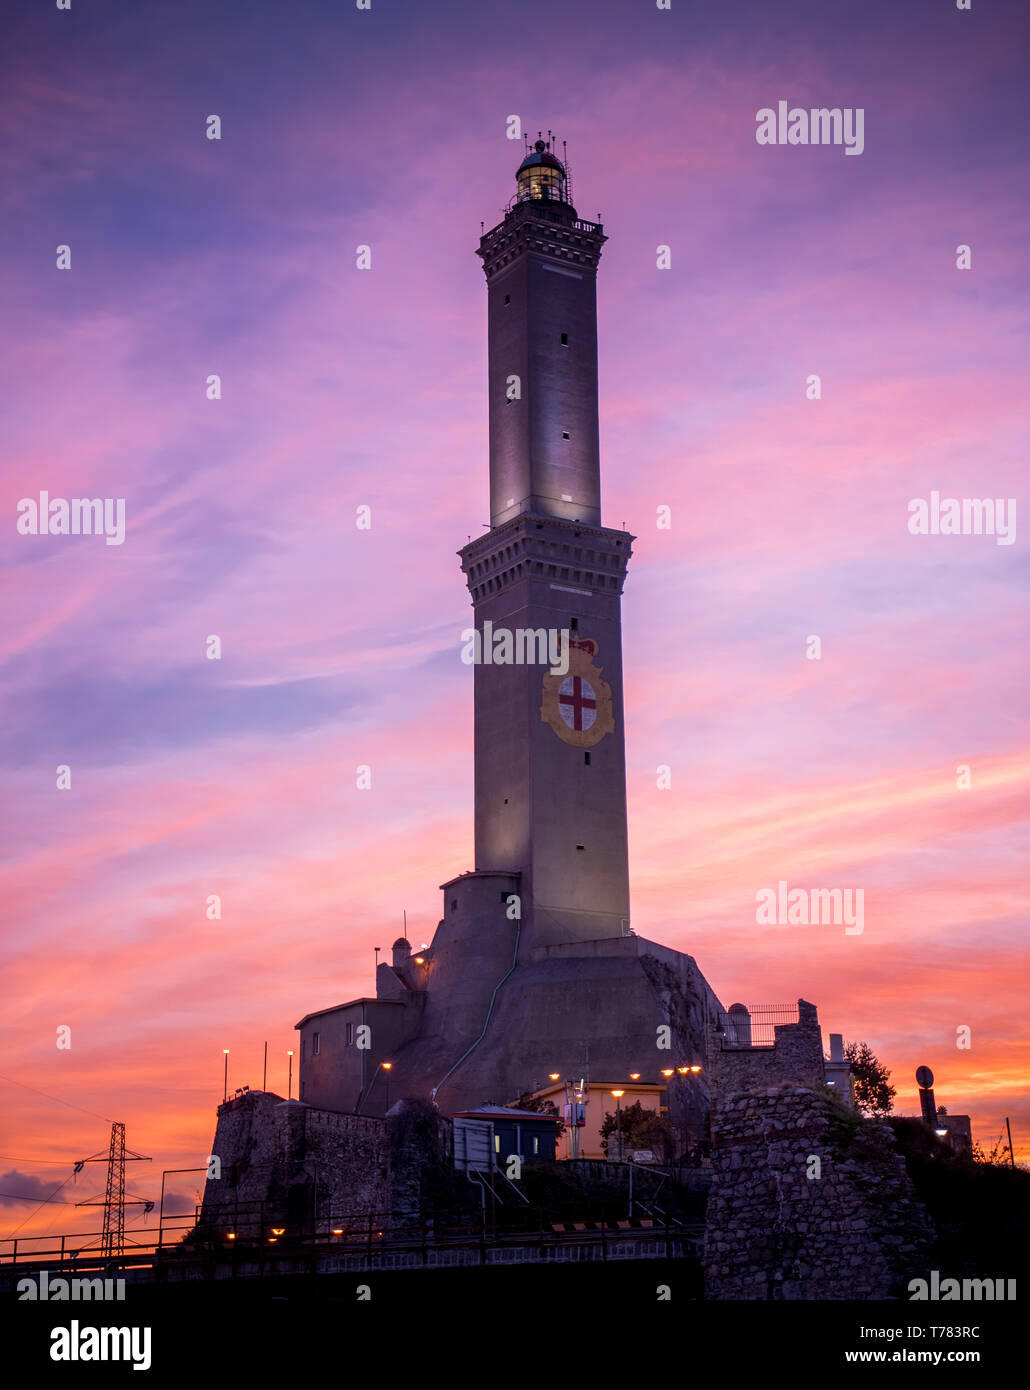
(541,155)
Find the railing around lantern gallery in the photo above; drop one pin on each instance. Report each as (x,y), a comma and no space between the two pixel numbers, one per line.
(540,210)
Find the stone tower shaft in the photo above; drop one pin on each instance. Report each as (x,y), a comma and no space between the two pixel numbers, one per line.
(541,268)
(549,748)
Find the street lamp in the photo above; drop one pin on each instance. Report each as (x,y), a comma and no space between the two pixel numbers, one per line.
(225,1084)
(618,1121)
(289,1083)
(383,1066)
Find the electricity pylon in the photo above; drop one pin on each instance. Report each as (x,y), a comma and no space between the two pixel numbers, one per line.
(112,1241)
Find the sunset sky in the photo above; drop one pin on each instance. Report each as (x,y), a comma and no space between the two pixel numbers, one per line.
(343,388)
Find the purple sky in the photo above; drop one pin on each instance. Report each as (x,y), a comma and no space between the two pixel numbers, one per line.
(344,388)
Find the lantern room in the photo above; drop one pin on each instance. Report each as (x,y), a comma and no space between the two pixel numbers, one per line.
(541,176)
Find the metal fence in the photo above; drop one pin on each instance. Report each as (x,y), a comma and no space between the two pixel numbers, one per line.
(256,1237)
(754,1025)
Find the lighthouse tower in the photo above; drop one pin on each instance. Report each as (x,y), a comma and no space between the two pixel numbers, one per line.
(533,968)
(549,745)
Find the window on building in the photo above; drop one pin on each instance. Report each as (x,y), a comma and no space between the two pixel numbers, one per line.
(454,904)
(564,340)
(565,434)
(314,1043)
(497,1143)
(586,759)
(350,1034)
(536,1144)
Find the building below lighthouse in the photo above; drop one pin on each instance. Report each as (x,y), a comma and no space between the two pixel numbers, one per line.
(534,972)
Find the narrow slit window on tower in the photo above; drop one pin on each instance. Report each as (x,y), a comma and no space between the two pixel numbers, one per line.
(565,434)
(581,846)
(586,759)
(574,624)
(564,340)
(315,1040)
(507,299)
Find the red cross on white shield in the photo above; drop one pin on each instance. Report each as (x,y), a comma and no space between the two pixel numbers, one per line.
(577,702)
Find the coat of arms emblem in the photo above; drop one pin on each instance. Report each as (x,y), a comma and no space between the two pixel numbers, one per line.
(578,704)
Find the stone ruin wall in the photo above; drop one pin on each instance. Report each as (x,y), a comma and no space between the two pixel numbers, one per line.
(796,1055)
(293,1157)
(857,1231)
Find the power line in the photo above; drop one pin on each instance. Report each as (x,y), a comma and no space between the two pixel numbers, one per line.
(10,1158)
(58,1099)
(42,1204)
(14,1197)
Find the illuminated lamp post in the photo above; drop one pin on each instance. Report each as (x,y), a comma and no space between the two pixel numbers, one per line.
(618,1121)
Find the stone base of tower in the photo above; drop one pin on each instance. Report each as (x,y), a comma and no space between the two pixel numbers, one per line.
(595,1009)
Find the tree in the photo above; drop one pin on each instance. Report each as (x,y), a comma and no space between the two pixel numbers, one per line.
(540,1106)
(997,1153)
(640,1129)
(874,1095)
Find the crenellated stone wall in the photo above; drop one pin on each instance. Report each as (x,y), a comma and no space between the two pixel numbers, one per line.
(301,1163)
(796,1055)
